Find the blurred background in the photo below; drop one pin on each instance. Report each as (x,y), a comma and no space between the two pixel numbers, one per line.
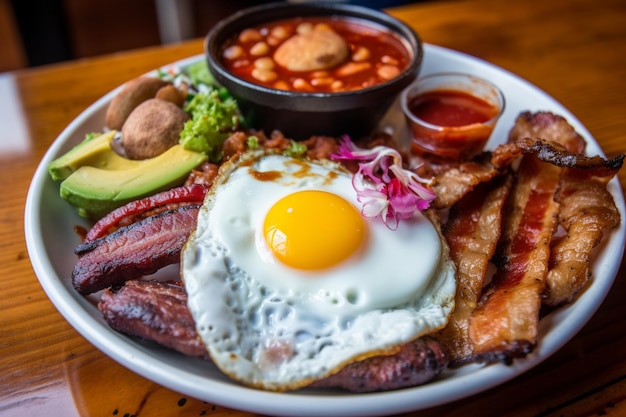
(40,32)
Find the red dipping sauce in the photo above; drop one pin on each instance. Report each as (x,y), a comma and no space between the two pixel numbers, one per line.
(450,123)
(451,108)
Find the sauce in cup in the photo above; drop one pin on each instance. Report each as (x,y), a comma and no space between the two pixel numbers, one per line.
(451,116)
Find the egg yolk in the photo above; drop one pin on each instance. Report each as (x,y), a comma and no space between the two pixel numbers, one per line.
(313,230)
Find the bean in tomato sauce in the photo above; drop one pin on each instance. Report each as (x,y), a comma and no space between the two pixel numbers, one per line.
(316,55)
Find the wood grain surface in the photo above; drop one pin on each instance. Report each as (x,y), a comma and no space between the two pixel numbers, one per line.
(573,50)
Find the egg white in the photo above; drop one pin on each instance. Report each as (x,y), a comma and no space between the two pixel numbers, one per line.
(275,327)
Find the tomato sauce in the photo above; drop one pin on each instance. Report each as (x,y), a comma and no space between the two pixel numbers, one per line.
(460,124)
(376,56)
(451,108)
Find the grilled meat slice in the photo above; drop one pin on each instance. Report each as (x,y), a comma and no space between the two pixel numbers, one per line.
(154,311)
(130,252)
(158,311)
(414,364)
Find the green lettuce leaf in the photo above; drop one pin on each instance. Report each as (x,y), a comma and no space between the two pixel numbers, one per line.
(212,120)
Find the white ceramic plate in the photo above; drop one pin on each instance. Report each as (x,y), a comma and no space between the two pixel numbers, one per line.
(49,224)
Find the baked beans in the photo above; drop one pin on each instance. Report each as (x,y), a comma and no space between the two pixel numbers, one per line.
(361,56)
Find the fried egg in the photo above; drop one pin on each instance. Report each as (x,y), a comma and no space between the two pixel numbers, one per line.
(288,282)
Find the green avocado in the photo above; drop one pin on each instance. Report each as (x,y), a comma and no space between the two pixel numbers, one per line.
(96,180)
(92,152)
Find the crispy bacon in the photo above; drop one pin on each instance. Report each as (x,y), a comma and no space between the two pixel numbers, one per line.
(549,127)
(587,210)
(454,183)
(505,324)
(141,248)
(472,232)
(154,311)
(451,181)
(558,155)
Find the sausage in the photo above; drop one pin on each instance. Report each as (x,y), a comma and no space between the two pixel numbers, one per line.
(416,363)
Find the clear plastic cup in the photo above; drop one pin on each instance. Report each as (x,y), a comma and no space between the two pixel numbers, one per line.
(451,115)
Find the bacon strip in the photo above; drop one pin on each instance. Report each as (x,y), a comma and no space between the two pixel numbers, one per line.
(587,211)
(141,248)
(505,324)
(472,232)
(154,311)
(549,127)
(454,183)
(558,155)
(451,182)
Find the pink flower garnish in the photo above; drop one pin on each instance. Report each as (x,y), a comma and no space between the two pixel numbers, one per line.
(384,188)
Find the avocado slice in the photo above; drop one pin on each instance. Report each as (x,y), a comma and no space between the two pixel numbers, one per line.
(93,152)
(96,180)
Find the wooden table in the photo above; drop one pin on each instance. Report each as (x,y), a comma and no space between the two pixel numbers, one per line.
(574,50)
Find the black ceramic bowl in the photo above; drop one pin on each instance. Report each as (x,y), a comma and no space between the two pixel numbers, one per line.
(300,115)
